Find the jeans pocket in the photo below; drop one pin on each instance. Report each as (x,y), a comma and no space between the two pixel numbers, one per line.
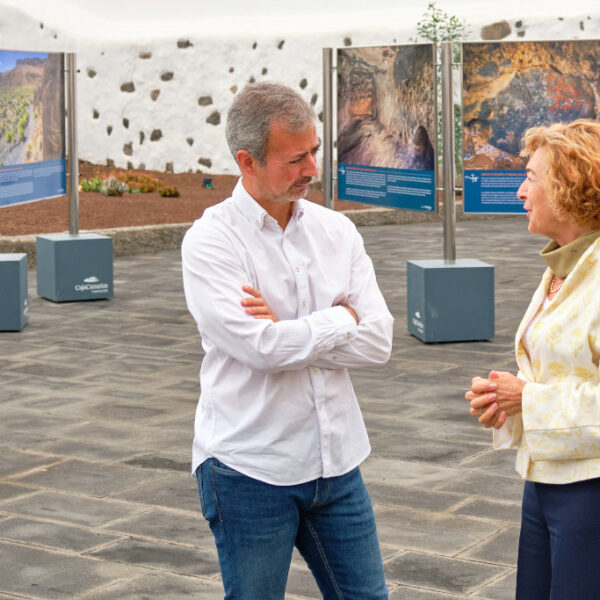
(199,480)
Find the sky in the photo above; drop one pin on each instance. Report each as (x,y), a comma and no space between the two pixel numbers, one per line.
(8,60)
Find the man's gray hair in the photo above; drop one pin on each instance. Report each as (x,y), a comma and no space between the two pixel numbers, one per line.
(255,108)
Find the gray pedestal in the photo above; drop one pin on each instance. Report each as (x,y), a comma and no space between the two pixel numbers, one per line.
(14,305)
(74,267)
(450,302)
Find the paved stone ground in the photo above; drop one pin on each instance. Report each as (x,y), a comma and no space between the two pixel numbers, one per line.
(96,410)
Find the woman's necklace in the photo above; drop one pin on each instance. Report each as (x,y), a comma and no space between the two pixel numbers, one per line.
(559,283)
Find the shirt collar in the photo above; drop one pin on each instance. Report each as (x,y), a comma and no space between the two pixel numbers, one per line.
(254,212)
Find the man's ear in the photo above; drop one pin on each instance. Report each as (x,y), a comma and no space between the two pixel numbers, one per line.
(248,164)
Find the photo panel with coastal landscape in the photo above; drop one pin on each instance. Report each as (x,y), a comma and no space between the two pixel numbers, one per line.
(507,88)
(386,130)
(32,126)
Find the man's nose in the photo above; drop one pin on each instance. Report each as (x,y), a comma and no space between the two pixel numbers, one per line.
(309,168)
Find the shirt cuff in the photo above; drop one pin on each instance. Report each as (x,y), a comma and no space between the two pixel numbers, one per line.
(344,324)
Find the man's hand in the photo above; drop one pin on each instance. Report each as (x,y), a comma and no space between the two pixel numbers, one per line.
(495,398)
(256,306)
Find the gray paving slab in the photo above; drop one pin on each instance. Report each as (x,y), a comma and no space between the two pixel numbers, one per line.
(407,528)
(160,586)
(41,573)
(53,535)
(501,548)
(175,558)
(96,421)
(70,508)
(440,573)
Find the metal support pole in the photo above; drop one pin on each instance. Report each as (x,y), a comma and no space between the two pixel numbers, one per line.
(73,155)
(448,157)
(327,128)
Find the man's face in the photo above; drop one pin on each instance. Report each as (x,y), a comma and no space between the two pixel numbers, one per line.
(290,165)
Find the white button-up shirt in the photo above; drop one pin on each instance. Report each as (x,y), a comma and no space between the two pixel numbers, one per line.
(276,401)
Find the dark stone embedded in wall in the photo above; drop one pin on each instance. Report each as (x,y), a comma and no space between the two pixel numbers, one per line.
(320,116)
(205,100)
(233,89)
(303,83)
(520,33)
(254,45)
(495,31)
(110,162)
(167,76)
(519,24)
(280,45)
(142,166)
(314,99)
(128,87)
(206,162)
(95,114)
(347,41)
(265,70)
(154,94)
(184,43)
(145,55)
(251,80)
(169,167)
(129,164)
(128,149)
(214,118)
(109,130)
(126,123)
(41,26)
(155,135)
(190,141)
(581,25)
(142,137)
(231,69)
(91,73)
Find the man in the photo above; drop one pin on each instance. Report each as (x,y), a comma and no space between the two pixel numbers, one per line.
(286,300)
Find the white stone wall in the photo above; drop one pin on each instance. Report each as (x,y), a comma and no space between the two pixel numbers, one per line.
(158,98)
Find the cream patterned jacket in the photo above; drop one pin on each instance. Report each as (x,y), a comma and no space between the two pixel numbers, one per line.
(558,432)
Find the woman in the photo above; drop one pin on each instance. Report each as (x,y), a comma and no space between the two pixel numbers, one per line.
(551,409)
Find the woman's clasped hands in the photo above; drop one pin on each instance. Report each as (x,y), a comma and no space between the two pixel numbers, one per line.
(496,398)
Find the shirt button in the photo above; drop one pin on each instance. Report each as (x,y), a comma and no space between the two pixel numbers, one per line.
(334,357)
(303,304)
(321,406)
(348,336)
(257,223)
(315,370)
(298,269)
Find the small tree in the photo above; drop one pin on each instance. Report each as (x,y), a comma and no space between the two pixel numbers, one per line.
(437,25)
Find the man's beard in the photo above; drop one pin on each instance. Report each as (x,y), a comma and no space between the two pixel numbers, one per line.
(293,194)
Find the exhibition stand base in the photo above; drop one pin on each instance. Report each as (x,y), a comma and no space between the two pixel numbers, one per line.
(14,305)
(450,302)
(74,267)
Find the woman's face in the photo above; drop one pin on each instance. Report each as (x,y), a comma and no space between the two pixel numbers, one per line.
(542,220)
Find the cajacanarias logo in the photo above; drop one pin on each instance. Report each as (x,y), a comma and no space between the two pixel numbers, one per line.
(91,284)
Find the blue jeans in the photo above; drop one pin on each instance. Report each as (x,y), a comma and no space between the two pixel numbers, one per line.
(256,526)
(559,545)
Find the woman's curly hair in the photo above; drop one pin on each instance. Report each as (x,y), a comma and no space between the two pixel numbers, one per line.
(573,178)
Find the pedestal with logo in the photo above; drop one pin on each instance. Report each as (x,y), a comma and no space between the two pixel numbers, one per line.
(14,304)
(74,267)
(450,302)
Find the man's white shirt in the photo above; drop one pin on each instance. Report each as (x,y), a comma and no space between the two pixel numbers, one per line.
(276,400)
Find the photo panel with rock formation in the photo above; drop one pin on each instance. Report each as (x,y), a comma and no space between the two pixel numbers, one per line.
(509,87)
(32,126)
(386,121)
